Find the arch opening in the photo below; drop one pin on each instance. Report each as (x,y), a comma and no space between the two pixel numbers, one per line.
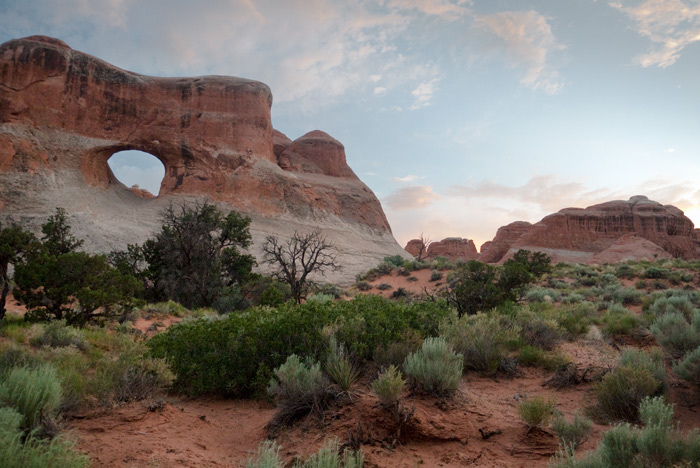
(138,171)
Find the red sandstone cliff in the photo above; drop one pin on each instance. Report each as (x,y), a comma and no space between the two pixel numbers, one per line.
(452,248)
(582,235)
(64,113)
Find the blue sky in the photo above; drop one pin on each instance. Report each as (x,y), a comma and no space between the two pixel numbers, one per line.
(461,115)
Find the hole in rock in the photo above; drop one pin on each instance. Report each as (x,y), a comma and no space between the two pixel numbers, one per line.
(136,168)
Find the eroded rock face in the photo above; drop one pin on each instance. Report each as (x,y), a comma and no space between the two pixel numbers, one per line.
(493,251)
(452,248)
(64,113)
(582,235)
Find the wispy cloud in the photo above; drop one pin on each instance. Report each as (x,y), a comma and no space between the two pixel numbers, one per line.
(408,178)
(671,26)
(423,94)
(528,42)
(446,9)
(417,196)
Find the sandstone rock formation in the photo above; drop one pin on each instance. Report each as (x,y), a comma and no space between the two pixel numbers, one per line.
(452,248)
(601,233)
(64,113)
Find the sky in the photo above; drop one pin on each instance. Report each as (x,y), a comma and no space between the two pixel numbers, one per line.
(461,115)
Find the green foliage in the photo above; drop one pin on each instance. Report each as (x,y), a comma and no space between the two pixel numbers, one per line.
(15,245)
(363,286)
(395,261)
(57,334)
(298,388)
(131,377)
(619,321)
(483,340)
(652,361)
(35,392)
(675,303)
(268,456)
(543,295)
(657,444)
(395,353)
(574,433)
(72,285)
(388,386)
(435,275)
(196,260)
(675,334)
(339,367)
(536,411)
(538,330)
(688,368)
(574,318)
(435,368)
(328,457)
(536,357)
(655,272)
(621,391)
(20,450)
(58,238)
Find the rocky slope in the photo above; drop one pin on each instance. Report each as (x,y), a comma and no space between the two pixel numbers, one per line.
(64,113)
(617,230)
(452,248)
(636,229)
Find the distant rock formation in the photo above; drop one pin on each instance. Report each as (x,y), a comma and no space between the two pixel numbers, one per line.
(613,231)
(64,113)
(452,248)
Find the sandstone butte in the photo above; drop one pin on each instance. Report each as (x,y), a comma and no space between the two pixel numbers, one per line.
(64,113)
(636,229)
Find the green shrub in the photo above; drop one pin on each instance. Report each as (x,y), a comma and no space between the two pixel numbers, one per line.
(363,286)
(131,377)
(654,272)
(15,356)
(435,368)
(388,386)
(267,456)
(328,457)
(625,271)
(574,433)
(536,330)
(543,295)
(35,392)
(652,361)
(18,450)
(57,334)
(576,318)
(658,443)
(394,354)
(667,304)
(435,275)
(384,287)
(619,321)
(482,340)
(395,261)
(535,357)
(298,388)
(536,411)
(688,368)
(621,391)
(675,334)
(626,296)
(339,368)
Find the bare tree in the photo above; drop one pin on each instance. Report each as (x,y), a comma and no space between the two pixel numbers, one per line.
(298,257)
(423,248)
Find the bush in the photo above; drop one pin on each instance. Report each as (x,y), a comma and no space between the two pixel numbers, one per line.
(574,433)
(131,378)
(363,286)
(664,305)
(652,361)
(621,391)
(543,295)
(328,457)
(654,272)
(268,456)
(675,334)
(435,368)
(536,411)
(435,275)
(395,353)
(482,340)
(57,335)
(298,388)
(536,330)
(339,367)
(576,318)
(688,368)
(384,287)
(619,321)
(18,450)
(536,357)
(34,392)
(656,444)
(388,386)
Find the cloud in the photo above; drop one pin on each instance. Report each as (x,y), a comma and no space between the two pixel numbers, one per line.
(417,196)
(528,42)
(408,178)
(671,26)
(423,94)
(445,9)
